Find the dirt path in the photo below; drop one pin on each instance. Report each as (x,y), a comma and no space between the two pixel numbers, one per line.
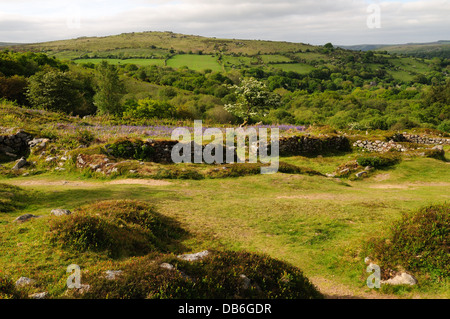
(145,182)
(333,290)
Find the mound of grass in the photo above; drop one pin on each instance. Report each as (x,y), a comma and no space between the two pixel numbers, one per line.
(221,275)
(120,228)
(178,173)
(419,242)
(293,169)
(379,160)
(11,198)
(8,289)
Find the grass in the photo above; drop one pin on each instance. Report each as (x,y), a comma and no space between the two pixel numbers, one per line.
(140,62)
(195,62)
(312,222)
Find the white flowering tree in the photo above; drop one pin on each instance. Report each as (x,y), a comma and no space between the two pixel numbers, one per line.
(252,99)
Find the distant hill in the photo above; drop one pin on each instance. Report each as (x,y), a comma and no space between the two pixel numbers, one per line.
(5,44)
(439,49)
(161,43)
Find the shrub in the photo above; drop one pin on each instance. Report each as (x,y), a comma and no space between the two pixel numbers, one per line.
(436,154)
(417,242)
(217,276)
(120,228)
(131,149)
(177,173)
(379,160)
(8,289)
(293,169)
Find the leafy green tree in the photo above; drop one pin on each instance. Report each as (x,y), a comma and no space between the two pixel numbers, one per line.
(148,108)
(110,90)
(253,98)
(54,91)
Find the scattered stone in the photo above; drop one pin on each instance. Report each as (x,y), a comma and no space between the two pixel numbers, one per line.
(402,279)
(133,171)
(245,282)
(83,289)
(24,281)
(40,295)
(61,212)
(361,174)
(20,163)
(167,266)
(438,147)
(113,274)
(24,218)
(194,257)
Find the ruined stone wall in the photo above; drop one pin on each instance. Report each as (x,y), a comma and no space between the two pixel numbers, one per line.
(14,146)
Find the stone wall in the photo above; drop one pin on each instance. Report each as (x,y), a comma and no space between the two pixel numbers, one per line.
(161,151)
(379,146)
(306,145)
(14,146)
(426,140)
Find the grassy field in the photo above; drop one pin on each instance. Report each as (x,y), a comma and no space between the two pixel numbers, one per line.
(140,62)
(316,223)
(195,62)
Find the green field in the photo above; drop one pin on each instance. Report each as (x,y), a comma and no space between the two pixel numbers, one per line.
(295,67)
(195,62)
(140,62)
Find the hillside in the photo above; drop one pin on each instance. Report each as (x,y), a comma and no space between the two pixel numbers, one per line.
(440,49)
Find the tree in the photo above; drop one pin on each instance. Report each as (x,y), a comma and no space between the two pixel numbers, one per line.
(54,91)
(109,90)
(252,99)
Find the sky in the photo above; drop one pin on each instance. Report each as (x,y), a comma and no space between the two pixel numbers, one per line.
(341,22)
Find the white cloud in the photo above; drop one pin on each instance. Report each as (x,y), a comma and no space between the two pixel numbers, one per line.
(308,21)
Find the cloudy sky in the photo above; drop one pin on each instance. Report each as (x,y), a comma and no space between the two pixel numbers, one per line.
(344,22)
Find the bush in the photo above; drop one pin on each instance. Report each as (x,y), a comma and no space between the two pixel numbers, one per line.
(131,149)
(217,276)
(379,160)
(8,289)
(417,242)
(120,228)
(293,169)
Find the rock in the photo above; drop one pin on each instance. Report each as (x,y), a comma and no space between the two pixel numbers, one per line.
(83,289)
(438,147)
(113,274)
(167,266)
(24,218)
(369,168)
(61,212)
(402,279)
(194,257)
(361,174)
(132,171)
(20,163)
(24,281)
(40,295)
(245,282)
